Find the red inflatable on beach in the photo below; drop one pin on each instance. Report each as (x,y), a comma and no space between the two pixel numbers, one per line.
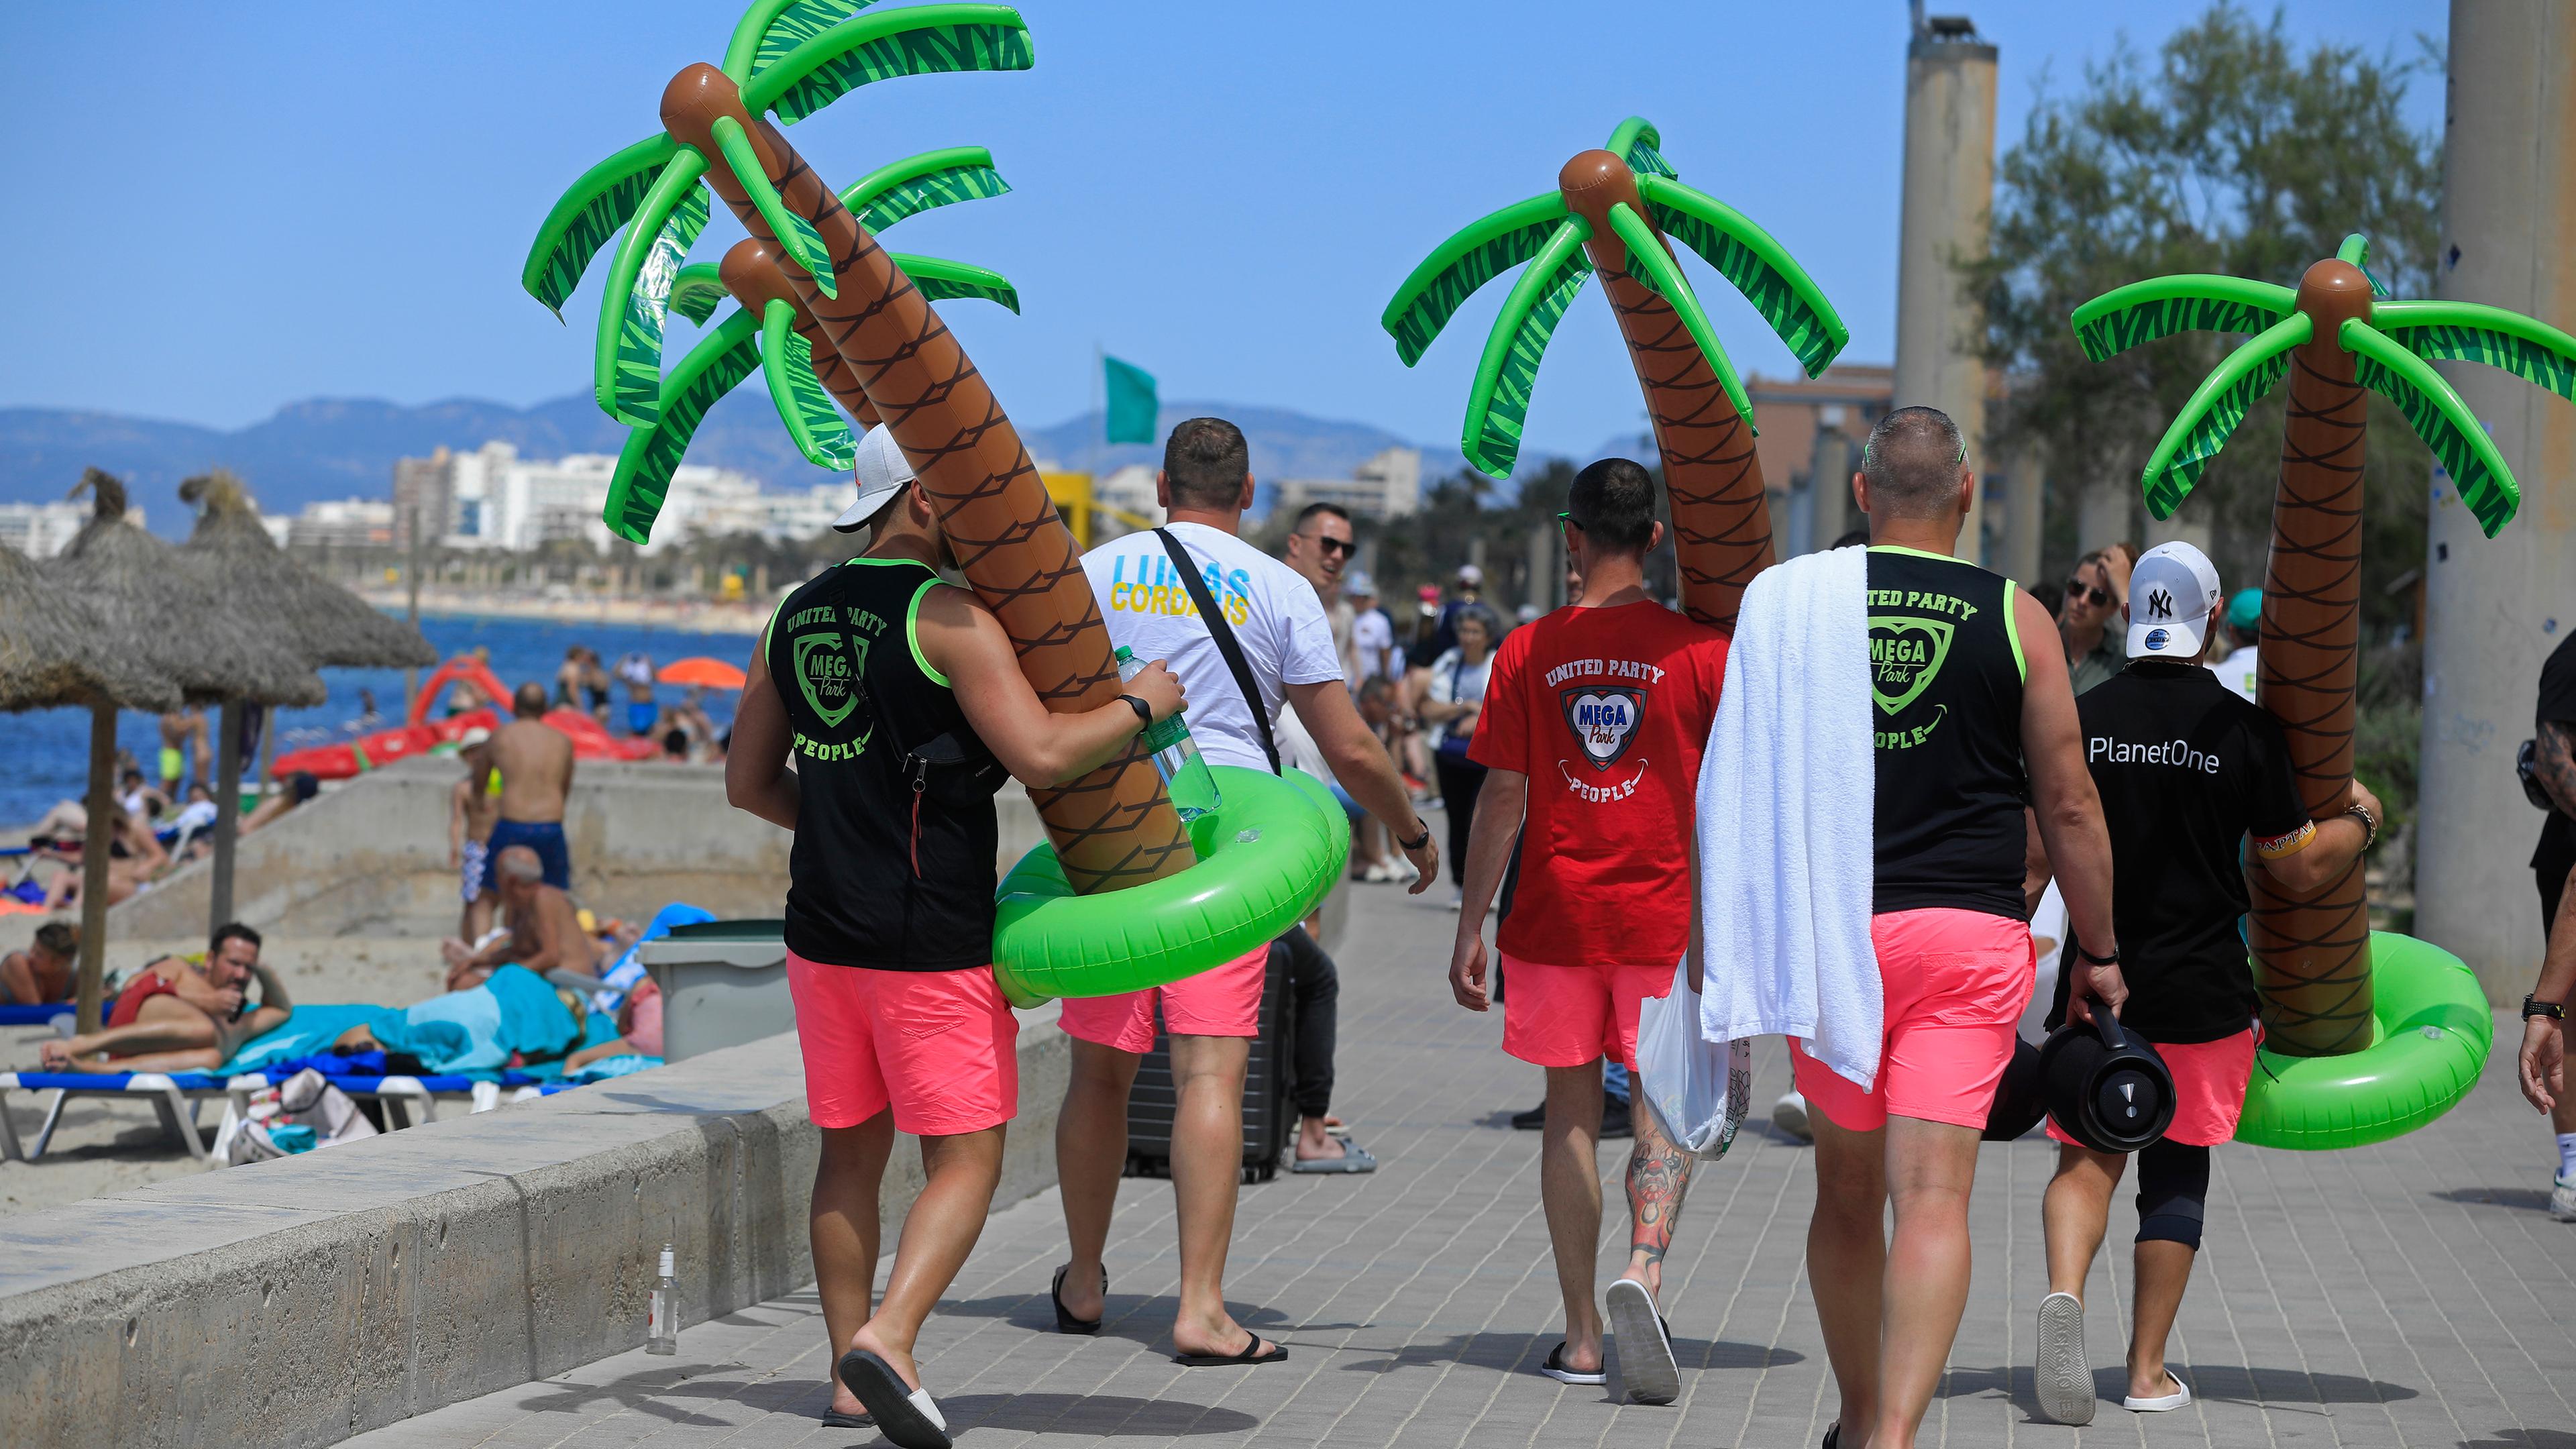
(590,739)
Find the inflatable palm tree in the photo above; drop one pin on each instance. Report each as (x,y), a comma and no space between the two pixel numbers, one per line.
(773,333)
(789,59)
(2337,343)
(1611,213)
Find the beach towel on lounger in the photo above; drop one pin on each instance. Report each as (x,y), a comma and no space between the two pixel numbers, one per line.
(479,1029)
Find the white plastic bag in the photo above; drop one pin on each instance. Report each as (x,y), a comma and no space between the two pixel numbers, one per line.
(1699,1090)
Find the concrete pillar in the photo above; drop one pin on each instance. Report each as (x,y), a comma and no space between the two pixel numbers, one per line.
(2025,500)
(1546,577)
(2495,608)
(2105,513)
(1837,458)
(1949,189)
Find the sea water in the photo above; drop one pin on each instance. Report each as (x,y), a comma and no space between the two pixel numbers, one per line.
(44,755)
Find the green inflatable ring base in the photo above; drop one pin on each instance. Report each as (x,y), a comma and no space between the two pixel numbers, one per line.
(1266,856)
(2434,1030)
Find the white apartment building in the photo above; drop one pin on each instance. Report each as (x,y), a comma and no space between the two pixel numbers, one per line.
(493,498)
(342,523)
(42,530)
(1386,486)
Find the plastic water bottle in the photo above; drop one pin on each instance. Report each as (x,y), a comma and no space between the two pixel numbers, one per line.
(1176,755)
(662,1311)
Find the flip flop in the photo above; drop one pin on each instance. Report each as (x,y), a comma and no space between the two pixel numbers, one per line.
(1555,1369)
(1354,1158)
(1251,1354)
(903,1414)
(2160,1403)
(2065,1380)
(835,1419)
(1066,1322)
(1646,1362)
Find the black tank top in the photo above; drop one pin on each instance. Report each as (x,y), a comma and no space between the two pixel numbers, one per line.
(893,862)
(1946,671)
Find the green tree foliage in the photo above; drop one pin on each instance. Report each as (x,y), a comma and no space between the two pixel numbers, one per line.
(2232,151)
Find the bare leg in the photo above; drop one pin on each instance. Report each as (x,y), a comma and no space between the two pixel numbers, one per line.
(466,978)
(1930,1168)
(2163,1268)
(842,1222)
(2073,1212)
(938,1233)
(1090,1154)
(204,1059)
(1847,1263)
(1207,1176)
(164,1024)
(1569,1188)
(1659,1174)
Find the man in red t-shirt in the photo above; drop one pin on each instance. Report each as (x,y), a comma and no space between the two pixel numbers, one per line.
(1593,723)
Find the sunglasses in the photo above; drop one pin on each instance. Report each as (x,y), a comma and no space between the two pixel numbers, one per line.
(2077,589)
(1569,520)
(1331,546)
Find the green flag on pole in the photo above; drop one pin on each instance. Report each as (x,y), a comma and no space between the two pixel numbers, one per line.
(1132,403)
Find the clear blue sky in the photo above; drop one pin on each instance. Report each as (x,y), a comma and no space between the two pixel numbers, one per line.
(223,208)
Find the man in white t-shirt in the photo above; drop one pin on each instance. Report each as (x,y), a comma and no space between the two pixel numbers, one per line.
(2244,632)
(1287,644)
(1373,651)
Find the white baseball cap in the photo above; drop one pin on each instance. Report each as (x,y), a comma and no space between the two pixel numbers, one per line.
(2172,594)
(882,471)
(1359,585)
(1470,574)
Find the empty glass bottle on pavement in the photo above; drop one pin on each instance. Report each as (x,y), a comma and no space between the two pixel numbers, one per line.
(1176,755)
(662,1312)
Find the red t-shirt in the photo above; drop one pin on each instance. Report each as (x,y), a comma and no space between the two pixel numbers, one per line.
(1606,711)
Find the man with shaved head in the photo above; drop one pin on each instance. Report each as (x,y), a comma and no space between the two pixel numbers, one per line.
(535,761)
(1972,719)
(545,928)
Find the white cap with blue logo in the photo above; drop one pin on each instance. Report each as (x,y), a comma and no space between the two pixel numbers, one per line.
(2172,594)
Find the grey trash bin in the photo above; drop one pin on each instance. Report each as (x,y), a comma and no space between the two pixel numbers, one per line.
(723,983)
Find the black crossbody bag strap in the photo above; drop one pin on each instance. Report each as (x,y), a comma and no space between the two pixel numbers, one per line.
(1223,633)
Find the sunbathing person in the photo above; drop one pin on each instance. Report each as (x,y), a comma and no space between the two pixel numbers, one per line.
(545,928)
(135,857)
(293,791)
(639,1030)
(46,971)
(180,1017)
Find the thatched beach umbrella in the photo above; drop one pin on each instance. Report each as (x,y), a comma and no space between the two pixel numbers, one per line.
(164,614)
(49,650)
(324,624)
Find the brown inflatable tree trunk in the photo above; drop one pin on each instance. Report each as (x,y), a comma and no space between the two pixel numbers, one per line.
(2312,952)
(1113,827)
(751,271)
(1721,516)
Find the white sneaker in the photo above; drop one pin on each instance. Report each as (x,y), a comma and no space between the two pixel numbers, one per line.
(1789,1114)
(2562,1199)
(2065,1380)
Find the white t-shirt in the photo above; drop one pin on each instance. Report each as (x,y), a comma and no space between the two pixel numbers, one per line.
(1372,648)
(2236,671)
(1277,620)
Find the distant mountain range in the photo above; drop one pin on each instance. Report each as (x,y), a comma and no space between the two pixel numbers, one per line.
(345,447)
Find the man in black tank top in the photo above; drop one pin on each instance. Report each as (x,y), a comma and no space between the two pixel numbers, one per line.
(1973,733)
(901,703)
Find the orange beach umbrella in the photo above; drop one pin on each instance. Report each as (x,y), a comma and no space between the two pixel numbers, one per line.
(704,672)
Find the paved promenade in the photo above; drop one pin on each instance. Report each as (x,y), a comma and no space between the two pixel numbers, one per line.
(2411,1294)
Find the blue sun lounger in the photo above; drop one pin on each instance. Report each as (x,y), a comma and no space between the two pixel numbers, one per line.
(175,1096)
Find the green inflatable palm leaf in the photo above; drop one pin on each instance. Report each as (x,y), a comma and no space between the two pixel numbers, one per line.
(802,243)
(2441,419)
(917,40)
(1498,404)
(2221,401)
(720,361)
(771,29)
(1480,251)
(1760,268)
(1635,142)
(1655,266)
(696,292)
(919,183)
(943,281)
(627,372)
(587,215)
(2163,306)
(2532,350)
(787,360)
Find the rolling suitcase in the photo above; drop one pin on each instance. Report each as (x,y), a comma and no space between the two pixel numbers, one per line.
(1269,1117)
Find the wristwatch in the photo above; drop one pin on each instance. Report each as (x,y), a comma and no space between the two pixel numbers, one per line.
(1419,841)
(2092,960)
(1144,711)
(2533,1006)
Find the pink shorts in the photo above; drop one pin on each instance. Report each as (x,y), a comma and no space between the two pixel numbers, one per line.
(2209,1080)
(940,1047)
(1566,1016)
(1220,1001)
(1955,983)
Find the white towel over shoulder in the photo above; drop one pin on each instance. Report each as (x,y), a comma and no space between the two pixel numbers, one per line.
(1786,790)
